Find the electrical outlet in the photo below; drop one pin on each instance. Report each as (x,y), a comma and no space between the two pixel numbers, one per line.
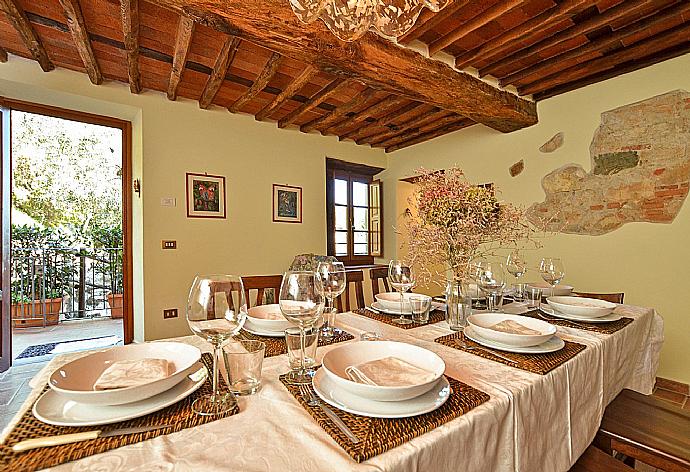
(170,313)
(169,244)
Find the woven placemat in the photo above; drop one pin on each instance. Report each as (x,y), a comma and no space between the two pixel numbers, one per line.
(378,435)
(180,416)
(277,346)
(604,328)
(434,317)
(537,363)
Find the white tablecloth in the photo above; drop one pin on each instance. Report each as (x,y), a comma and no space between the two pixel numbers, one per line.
(531,423)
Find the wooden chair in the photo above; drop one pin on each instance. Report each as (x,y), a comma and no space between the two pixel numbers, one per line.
(376,274)
(596,460)
(354,277)
(263,284)
(647,429)
(229,288)
(616,297)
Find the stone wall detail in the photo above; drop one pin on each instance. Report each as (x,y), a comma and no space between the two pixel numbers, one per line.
(554,143)
(640,160)
(517,168)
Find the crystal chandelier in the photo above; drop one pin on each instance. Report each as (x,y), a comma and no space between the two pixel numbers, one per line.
(350,19)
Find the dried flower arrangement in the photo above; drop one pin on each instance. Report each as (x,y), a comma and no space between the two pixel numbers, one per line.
(455,222)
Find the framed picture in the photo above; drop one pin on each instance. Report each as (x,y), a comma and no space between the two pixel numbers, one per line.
(287,204)
(205,196)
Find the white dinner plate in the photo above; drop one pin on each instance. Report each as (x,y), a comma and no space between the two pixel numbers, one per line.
(580,319)
(552,345)
(261,332)
(53,408)
(389,311)
(335,396)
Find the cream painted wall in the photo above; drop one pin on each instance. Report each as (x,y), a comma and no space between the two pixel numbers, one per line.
(172,138)
(635,258)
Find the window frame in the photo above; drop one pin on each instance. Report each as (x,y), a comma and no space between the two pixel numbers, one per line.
(341,170)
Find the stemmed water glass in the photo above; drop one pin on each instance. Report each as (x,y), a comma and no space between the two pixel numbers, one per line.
(301,301)
(517,267)
(491,280)
(216,311)
(334,281)
(552,271)
(402,279)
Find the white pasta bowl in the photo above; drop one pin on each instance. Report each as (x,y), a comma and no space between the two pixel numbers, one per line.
(484,324)
(75,380)
(266,318)
(581,306)
(560,290)
(337,360)
(391,300)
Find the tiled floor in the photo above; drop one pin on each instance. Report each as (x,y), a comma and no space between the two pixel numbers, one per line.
(14,384)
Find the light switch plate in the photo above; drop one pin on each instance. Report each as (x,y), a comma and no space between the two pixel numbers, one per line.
(168,201)
(169,244)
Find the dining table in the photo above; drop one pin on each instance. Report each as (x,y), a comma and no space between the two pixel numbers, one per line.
(531,421)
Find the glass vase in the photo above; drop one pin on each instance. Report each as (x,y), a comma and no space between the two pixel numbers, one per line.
(458,304)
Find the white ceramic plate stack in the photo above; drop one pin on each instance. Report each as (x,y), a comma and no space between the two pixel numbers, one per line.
(482,330)
(73,401)
(266,320)
(581,309)
(389,303)
(332,384)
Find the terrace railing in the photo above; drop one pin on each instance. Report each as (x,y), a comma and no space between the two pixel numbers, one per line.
(56,284)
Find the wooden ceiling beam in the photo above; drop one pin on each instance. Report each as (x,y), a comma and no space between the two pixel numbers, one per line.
(410,124)
(183,41)
(429,20)
(670,38)
(80,35)
(654,58)
(27,33)
(523,33)
(428,125)
(531,54)
(475,23)
(322,95)
(129,9)
(379,125)
(395,128)
(220,69)
(370,111)
(324,121)
(601,45)
(261,81)
(431,135)
(373,60)
(305,76)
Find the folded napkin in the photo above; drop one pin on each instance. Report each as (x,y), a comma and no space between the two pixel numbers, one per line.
(513,327)
(128,373)
(388,372)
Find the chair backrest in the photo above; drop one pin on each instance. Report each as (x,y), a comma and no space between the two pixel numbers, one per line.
(309,261)
(228,288)
(267,287)
(355,278)
(615,297)
(376,274)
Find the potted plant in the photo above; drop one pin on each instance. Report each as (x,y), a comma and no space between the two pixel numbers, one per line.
(109,238)
(40,273)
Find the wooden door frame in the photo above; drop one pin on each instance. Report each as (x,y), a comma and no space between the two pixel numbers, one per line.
(127,200)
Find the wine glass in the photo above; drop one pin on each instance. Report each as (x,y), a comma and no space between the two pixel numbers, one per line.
(402,279)
(216,311)
(491,280)
(301,302)
(552,271)
(517,267)
(334,281)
